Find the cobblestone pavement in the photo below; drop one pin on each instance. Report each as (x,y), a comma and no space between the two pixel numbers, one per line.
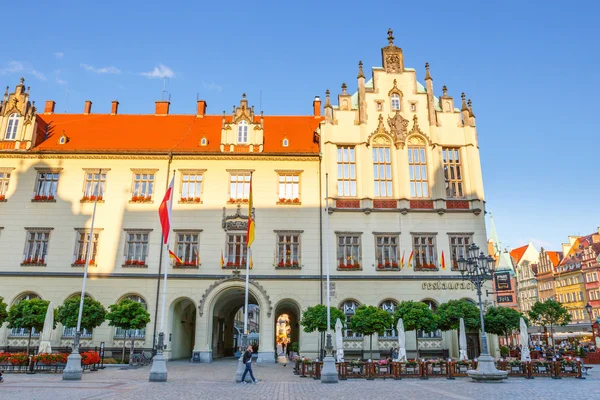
(216,381)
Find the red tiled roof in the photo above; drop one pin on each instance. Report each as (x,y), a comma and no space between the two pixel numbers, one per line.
(554,257)
(517,253)
(176,133)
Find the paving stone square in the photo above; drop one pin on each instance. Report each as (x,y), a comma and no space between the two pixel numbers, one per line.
(216,381)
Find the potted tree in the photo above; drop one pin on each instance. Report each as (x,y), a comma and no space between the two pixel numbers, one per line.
(93,315)
(450,313)
(368,320)
(502,321)
(416,316)
(28,314)
(550,313)
(128,315)
(315,318)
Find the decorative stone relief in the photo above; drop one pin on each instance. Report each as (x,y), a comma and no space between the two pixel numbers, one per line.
(235,222)
(398,128)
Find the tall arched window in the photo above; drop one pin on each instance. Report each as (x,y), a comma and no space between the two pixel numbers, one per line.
(431,335)
(70,332)
(395,102)
(242,132)
(390,306)
(349,307)
(11,129)
(382,171)
(417,170)
(136,333)
(22,332)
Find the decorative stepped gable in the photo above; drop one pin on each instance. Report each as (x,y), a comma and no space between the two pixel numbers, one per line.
(244,132)
(18,123)
(505,262)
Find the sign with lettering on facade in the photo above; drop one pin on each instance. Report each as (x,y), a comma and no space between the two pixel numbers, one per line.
(502,281)
(505,298)
(448,286)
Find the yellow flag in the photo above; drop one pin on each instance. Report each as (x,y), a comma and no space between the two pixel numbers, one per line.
(250,233)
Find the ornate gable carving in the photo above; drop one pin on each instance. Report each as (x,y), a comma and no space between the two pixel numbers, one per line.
(254,136)
(417,137)
(379,135)
(395,90)
(235,222)
(18,102)
(393,60)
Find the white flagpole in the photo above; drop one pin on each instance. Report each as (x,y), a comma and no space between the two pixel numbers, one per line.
(327,249)
(246,293)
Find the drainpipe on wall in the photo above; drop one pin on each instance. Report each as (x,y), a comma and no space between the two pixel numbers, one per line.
(160,263)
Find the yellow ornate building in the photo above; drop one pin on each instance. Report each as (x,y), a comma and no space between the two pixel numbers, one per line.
(405,200)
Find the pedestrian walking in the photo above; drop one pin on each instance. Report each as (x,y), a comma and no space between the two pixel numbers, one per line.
(247,360)
(1,378)
(283,348)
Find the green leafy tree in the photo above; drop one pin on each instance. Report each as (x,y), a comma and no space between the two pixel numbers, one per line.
(93,315)
(450,313)
(315,318)
(416,316)
(3,311)
(368,320)
(550,313)
(28,314)
(502,321)
(128,315)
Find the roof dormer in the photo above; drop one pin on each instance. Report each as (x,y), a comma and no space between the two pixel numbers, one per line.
(17,119)
(244,133)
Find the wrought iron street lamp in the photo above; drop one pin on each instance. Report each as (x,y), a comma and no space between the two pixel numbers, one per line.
(589,309)
(479,268)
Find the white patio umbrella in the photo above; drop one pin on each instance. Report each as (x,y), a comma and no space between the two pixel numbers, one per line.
(46,334)
(524,336)
(401,340)
(462,342)
(339,340)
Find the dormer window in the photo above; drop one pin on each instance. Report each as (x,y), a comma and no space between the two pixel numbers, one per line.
(11,129)
(243,132)
(203,142)
(395,102)
(286,143)
(62,140)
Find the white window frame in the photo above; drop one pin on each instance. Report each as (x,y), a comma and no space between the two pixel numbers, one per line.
(4,182)
(459,246)
(137,246)
(453,173)
(46,185)
(237,250)
(289,187)
(12,126)
(417,170)
(143,185)
(390,306)
(395,102)
(37,241)
(387,250)
(242,132)
(425,251)
(289,249)
(346,174)
(349,307)
(382,171)
(192,184)
(187,247)
(349,249)
(91,180)
(82,238)
(239,186)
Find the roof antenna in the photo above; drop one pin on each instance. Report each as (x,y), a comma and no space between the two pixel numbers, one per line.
(162,97)
(261,101)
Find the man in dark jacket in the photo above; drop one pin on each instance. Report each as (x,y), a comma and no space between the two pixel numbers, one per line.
(247,360)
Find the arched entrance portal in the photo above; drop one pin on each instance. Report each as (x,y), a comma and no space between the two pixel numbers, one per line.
(228,322)
(287,327)
(183,328)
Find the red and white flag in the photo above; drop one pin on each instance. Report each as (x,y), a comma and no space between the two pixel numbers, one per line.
(164,212)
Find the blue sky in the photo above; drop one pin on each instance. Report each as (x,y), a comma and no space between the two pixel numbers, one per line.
(529,67)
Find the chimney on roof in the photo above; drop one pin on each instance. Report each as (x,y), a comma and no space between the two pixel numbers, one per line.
(87,108)
(162,107)
(49,108)
(114,108)
(201,109)
(317,106)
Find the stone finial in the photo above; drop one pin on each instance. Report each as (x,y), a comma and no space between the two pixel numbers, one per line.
(327,98)
(464,103)
(360,70)
(243,95)
(28,89)
(6,94)
(22,80)
(470,104)
(445,90)
(390,36)
(344,88)
(427,73)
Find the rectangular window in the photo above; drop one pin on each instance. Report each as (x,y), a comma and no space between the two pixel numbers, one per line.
(417,171)
(4,179)
(289,188)
(288,250)
(425,255)
(453,173)
(143,186)
(382,172)
(187,249)
(459,247)
(346,164)
(70,332)
(46,185)
(81,247)
(386,251)
(237,250)
(191,187)
(36,247)
(239,186)
(136,248)
(348,252)
(95,182)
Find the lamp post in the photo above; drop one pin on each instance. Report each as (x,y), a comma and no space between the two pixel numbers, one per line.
(479,268)
(589,308)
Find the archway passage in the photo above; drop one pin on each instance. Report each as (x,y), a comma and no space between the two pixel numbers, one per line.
(287,328)
(228,322)
(183,328)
